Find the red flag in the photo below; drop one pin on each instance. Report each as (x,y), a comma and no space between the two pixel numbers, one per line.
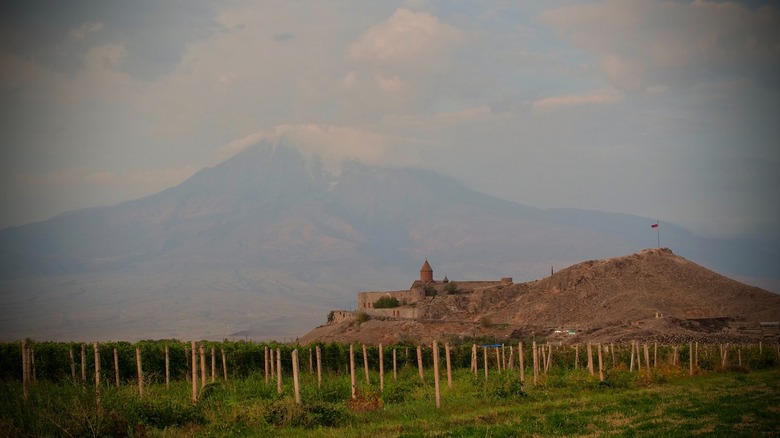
(654,226)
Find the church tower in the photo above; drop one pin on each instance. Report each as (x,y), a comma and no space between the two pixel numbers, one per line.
(426,272)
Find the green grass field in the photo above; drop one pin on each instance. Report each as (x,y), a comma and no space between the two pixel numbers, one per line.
(566,403)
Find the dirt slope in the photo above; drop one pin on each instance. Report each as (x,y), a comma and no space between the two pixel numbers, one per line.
(651,294)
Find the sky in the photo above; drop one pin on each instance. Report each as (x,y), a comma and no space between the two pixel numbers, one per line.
(663,109)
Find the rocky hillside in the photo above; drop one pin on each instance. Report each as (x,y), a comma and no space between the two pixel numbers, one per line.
(651,294)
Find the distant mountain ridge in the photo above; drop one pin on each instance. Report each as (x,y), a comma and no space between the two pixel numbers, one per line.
(265,242)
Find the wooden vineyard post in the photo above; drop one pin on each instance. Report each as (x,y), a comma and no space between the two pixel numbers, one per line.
(97,367)
(549,358)
(485,357)
(577,356)
(536,365)
(265,368)
(319,367)
(213,364)
(590,359)
(296,383)
(675,356)
(449,365)
(278,370)
(140,372)
(202,352)
(503,358)
(655,354)
(72,365)
(696,355)
(498,360)
(273,364)
(25,376)
(543,358)
(365,364)
(395,364)
(612,348)
(352,369)
(167,368)
(690,358)
(420,363)
(520,361)
(116,367)
(632,357)
(194,375)
(83,363)
(638,357)
(224,364)
(760,347)
(511,363)
(436,373)
(474,359)
(381,369)
(725,358)
(601,366)
(647,360)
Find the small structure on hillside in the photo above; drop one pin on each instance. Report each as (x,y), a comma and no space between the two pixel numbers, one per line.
(425,287)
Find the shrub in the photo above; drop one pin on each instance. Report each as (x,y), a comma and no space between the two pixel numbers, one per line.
(365,401)
(485,321)
(386,302)
(361,317)
(429,290)
(505,385)
(451,288)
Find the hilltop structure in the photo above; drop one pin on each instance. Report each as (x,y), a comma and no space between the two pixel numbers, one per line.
(426,288)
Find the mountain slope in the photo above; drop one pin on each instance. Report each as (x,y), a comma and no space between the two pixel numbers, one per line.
(266,242)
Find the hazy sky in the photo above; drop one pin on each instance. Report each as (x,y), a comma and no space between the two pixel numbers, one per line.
(669,110)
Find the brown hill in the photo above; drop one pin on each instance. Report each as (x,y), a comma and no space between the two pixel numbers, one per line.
(653,294)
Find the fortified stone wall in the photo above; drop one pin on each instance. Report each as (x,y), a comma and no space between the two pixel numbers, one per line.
(366,300)
(398,312)
(338,316)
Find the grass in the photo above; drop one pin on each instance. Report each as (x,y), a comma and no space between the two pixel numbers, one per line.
(567,403)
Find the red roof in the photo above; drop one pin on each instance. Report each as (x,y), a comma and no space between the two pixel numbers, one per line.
(426,267)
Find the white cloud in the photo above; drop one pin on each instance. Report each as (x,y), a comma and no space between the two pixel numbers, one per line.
(648,43)
(595,98)
(86,28)
(334,144)
(405,36)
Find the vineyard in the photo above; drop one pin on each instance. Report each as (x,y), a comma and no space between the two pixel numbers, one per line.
(171,388)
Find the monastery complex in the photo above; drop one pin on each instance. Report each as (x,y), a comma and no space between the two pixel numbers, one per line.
(422,289)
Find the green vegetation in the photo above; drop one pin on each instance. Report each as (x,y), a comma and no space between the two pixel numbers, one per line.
(738,401)
(386,302)
(361,317)
(451,288)
(429,290)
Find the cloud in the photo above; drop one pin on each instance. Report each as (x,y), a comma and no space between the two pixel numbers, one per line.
(405,36)
(644,44)
(81,32)
(595,98)
(333,144)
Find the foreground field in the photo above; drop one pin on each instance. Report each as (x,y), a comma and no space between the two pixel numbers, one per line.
(567,402)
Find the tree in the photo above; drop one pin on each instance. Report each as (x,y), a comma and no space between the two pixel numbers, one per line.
(386,302)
